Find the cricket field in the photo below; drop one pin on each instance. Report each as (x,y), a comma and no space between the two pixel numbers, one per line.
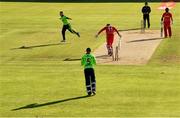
(35,81)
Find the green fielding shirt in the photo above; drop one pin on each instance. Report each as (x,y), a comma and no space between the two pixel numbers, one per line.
(88,61)
(64,20)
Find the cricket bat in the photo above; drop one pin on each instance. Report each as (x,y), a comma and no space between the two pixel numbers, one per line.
(119,43)
(161,29)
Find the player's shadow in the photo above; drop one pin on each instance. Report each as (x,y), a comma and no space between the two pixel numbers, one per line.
(71,59)
(36,105)
(78,59)
(140,40)
(103,56)
(38,46)
(130,29)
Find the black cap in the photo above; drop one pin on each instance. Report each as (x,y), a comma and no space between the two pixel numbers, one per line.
(88,50)
(146,3)
(167,9)
(107,24)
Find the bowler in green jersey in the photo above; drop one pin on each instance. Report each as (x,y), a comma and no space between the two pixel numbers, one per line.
(66,25)
(88,61)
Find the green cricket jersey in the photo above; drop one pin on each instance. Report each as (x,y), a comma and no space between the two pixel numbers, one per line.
(88,61)
(64,20)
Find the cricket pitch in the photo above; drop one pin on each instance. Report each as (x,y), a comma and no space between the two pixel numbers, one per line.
(136,48)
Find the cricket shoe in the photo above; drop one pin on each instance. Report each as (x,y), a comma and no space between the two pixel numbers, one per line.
(63,41)
(89,94)
(110,53)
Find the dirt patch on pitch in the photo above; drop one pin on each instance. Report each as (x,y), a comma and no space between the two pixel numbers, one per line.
(136,48)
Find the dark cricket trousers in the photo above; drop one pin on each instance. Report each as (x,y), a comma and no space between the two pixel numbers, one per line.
(90,80)
(146,17)
(65,27)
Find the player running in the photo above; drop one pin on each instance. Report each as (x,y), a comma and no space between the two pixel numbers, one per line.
(88,60)
(109,37)
(66,25)
(167,21)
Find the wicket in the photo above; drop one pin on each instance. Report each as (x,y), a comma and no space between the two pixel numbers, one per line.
(112,54)
(117,48)
(116,58)
(142,26)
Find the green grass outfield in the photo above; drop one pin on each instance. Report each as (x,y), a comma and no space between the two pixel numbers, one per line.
(37,82)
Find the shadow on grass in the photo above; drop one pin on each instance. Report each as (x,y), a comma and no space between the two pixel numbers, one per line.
(36,105)
(69,59)
(130,29)
(103,56)
(78,59)
(38,46)
(140,40)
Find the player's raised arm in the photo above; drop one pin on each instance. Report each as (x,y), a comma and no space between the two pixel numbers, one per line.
(117,32)
(104,28)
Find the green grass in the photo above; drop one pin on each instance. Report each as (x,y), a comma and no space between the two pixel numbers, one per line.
(38,75)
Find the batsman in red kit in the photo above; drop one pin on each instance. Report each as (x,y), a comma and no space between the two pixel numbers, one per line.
(167,21)
(109,37)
